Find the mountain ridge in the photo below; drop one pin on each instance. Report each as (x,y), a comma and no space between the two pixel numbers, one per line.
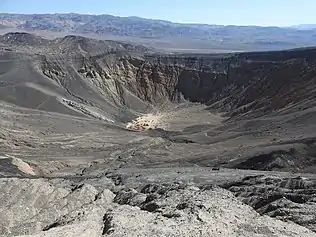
(165,34)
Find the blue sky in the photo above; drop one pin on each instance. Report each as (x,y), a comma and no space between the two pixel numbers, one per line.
(234,12)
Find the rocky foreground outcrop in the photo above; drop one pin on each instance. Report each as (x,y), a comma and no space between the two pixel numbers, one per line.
(39,207)
(288,199)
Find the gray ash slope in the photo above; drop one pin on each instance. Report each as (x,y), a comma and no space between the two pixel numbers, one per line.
(65,107)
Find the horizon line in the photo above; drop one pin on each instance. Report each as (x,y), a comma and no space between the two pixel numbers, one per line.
(157,19)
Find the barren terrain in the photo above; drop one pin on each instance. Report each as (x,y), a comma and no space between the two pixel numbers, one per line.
(165,36)
(108,138)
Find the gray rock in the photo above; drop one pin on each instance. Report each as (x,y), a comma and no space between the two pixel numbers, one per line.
(39,209)
(288,199)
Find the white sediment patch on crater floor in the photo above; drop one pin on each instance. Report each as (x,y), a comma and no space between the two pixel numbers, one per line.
(145,122)
(176,118)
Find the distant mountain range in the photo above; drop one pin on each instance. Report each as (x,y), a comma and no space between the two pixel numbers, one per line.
(305,26)
(163,34)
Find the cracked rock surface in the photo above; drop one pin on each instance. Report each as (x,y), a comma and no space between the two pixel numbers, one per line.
(284,198)
(41,208)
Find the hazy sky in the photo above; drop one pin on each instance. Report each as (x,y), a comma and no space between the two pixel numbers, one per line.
(234,12)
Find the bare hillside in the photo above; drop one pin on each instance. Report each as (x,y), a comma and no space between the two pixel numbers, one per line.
(163,35)
(97,137)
